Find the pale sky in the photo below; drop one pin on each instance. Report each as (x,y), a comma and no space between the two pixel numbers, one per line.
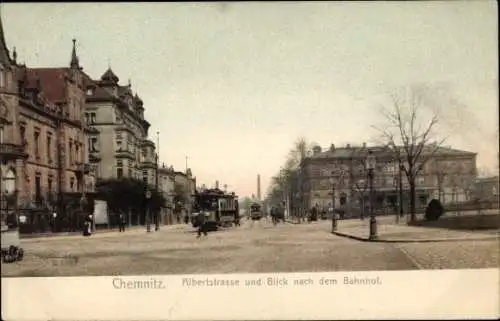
(233,85)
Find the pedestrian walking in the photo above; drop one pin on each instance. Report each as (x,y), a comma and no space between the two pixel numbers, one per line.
(87,226)
(121,223)
(202,225)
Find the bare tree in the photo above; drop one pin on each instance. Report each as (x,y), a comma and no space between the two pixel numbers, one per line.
(283,182)
(409,135)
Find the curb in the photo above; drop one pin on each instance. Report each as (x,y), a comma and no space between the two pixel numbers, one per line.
(55,235)
(364,239)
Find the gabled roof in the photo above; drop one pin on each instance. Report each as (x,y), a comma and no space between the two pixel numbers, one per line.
(4,51)
(125,90)
(51,80)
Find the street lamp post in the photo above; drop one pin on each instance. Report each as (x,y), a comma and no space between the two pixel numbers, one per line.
(401,209)
(370,165)
(148,221)
(157,216)
(334,216)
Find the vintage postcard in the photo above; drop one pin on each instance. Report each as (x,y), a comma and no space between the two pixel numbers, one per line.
(249,160)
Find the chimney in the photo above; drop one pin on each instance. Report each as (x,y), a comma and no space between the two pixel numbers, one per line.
(332,147)
(258,187)
(217,184)
(364,145)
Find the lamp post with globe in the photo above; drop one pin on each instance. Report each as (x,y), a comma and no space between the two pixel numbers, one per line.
(370,165)
(148,220)
(334,216)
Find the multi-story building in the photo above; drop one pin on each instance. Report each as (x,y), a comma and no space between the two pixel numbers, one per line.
(188,183)
(338,176)
(43,135)
(487,189)
(118,141)
(166,186)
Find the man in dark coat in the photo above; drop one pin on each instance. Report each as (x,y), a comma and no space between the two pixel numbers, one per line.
(121,222)
(202,225)
(87,227)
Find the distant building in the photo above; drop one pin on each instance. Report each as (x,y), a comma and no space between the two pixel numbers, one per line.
(448,175)
(166,186)
(188,184)
(487,189)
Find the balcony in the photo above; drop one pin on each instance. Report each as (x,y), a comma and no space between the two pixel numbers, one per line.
(123,153)
(83,167)
(12,151)
(147,164)
(94,157)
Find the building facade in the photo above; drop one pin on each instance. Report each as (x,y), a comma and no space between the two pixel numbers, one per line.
(487,189)
(118,142)
(187,184)
(338,176)
(166,186)
(43,134)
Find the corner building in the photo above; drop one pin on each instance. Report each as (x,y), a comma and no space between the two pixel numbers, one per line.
(44,146)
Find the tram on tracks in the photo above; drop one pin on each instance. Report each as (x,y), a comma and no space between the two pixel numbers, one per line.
(256,212)
(220,208)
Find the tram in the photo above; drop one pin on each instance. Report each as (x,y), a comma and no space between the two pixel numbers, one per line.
(256,211)
(220,208)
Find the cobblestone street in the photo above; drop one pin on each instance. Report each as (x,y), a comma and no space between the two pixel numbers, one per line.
(257,247)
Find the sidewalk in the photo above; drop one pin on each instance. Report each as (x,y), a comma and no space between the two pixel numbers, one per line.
(401,233)
(100,232)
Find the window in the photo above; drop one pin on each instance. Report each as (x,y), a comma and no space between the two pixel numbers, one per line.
(119,172)
(38,188)
(145,177)
(129,172)
(93,145)
(3,80)
(77,150)
(119,145)
(70,151)
(90,91)
(49,147)
(93,117)
(71,183)
(36,141)
(1,134)
(22,133)
(49,184)
(130,144)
